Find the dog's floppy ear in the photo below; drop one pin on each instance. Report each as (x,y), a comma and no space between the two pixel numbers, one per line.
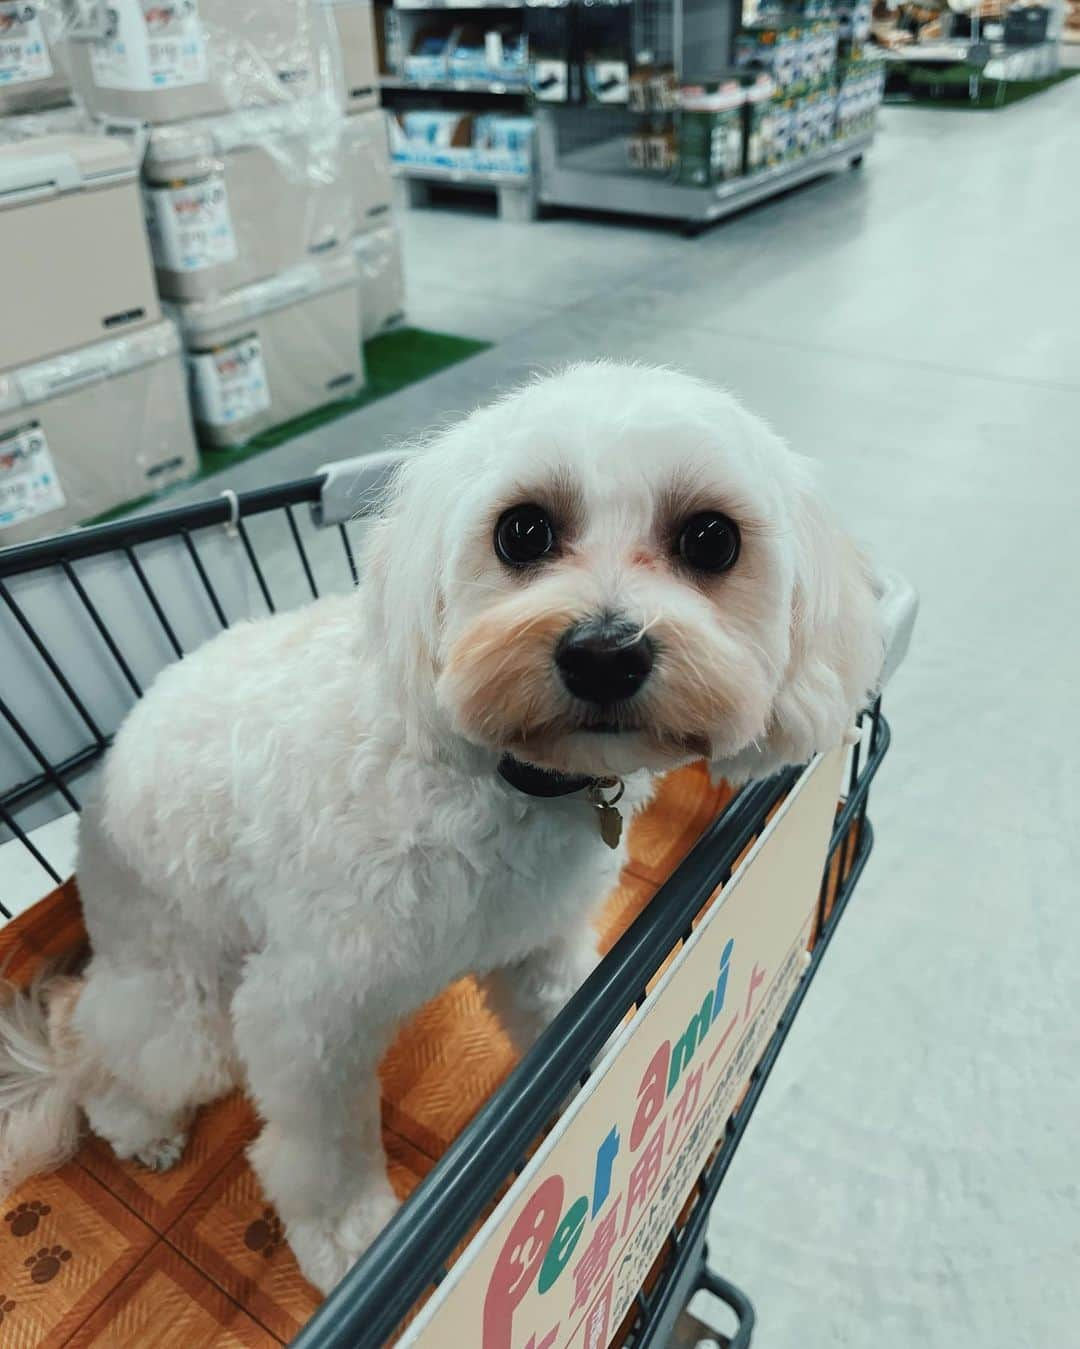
(836,634)
(401,570)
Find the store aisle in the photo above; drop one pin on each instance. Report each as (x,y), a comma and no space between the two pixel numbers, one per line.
(911,1175)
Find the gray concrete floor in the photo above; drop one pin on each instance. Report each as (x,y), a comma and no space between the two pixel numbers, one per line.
(911,1177)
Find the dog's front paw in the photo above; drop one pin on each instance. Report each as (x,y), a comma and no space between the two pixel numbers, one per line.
(326,1251)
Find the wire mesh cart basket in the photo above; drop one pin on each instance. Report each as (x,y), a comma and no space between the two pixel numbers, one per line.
(571,1210)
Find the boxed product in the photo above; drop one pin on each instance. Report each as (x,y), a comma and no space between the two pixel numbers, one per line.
(774,48)
(854,18)
(862,84)
(467,58)
(447,140)
(553,71)
(269,352)
(759,125)
(366,169)
(656,150)
(428,60)
(653,88)
(355,25)
(605,42)
(91,430)
(166,60)
(711,132)
(79,265)
(29,78)
(382,280)
(232,199)
(506,53)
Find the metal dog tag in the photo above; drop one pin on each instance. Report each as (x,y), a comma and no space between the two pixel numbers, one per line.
(609,818)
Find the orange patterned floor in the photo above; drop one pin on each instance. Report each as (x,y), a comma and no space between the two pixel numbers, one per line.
(106,1254)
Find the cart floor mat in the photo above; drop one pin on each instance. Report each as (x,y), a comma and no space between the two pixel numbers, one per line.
(108,1254)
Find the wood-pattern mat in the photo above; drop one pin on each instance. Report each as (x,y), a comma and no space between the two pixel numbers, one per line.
(106,1254)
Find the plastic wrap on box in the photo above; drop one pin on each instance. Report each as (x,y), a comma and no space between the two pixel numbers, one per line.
(29,76)
(354,22)
(382,280)
(237,198)
(366,167)
(167,60)
(266,353)
(78,262)
(83,433)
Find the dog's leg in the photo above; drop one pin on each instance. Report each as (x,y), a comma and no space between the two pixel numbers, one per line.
(310,1045)
(526,995)
(154,1048)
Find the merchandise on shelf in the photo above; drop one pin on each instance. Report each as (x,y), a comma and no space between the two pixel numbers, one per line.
(760,126)
(234,199)
(153,62)
(796,54)
(711,133)
(447,140)
(861,85)
(853,20)
(428,61)
(355,26)
(382,280)
(553,71)
(653,88)
(269,352)
(467,59)
(655,150)
(507,55)
(29,76)
(366,169)
(91,430)
(605,43)
(79,265)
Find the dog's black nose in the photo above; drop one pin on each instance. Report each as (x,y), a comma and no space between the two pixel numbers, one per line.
(604,662)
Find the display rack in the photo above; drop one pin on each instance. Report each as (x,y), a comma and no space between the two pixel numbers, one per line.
(594,177)
(404,90)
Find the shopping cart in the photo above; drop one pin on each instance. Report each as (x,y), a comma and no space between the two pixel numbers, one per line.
(86,621)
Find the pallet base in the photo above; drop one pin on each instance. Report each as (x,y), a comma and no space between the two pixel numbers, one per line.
(517,201)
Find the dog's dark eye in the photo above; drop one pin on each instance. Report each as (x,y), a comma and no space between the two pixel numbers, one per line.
(523,535)
(709,542)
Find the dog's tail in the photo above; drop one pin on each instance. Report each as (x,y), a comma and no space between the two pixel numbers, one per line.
(40,1119)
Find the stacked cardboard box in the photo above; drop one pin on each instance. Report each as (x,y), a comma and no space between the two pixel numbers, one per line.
(246,168)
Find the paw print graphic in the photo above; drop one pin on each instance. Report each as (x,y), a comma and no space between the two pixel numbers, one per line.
(24,1218)
(265,1234)
(6,1307)
(46,1264)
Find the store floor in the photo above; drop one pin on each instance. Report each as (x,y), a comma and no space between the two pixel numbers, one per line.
(911,1176)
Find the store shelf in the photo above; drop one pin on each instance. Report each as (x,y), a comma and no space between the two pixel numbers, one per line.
(393,84)
(597,178)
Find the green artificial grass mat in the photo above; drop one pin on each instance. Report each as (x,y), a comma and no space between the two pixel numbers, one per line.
(393,360)
(954,82)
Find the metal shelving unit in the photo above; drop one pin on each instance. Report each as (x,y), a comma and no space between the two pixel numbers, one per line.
(595,177)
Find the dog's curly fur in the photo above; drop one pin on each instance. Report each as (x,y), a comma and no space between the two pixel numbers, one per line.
(300,835)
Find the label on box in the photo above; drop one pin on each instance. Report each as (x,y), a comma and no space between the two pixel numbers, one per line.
(229,384)
(549,81)
(29,485)
(190,225)
(152,44)
(24,57)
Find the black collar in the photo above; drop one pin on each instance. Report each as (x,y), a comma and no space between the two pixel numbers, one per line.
(533,781)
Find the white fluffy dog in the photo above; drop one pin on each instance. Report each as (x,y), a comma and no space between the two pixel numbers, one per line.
(317,821)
